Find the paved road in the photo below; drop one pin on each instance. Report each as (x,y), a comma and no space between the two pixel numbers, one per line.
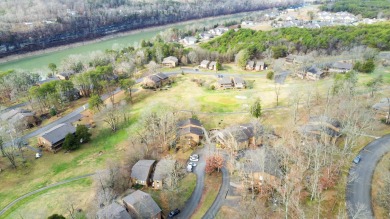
(42,189)
(360,178)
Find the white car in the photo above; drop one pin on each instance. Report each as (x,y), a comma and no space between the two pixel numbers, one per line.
(189,168)
(192,164)
(38,155)
(194,158)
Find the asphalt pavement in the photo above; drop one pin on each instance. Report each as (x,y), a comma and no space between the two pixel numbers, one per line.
(358,194)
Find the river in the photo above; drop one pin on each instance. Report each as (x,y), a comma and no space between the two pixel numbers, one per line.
(40,62)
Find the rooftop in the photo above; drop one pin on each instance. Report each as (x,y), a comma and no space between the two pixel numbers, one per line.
(143,204)
(141,169)
(58,132)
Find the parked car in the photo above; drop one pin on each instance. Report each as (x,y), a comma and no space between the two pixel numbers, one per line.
(38,155)
(192,164)
(357,159)
(173,213)
(194,157)
(189,168)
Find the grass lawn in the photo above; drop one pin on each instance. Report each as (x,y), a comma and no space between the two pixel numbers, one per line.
(56,200)
(382,168)
(211,188)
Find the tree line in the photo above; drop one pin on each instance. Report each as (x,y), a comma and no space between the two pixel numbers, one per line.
(368,9)
(283,41)
(31,25)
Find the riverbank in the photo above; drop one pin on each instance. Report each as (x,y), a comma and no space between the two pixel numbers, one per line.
(117,35)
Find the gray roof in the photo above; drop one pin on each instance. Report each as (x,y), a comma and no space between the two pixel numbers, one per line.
(225,80)
(58,132)
(113,211)
(171,59)
(238,80)
(189,121)
(192,130)
(162,76)
(281,77)
(314,70)
(251,64)
(342,65)
(163,168)
(154,78)
(143,204)
(262,160)
(205,62)
(241,133)
(14,112)
(259,63)
(140,170)
(213,63)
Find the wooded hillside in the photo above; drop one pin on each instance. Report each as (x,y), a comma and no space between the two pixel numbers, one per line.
(303,40)
(369,9)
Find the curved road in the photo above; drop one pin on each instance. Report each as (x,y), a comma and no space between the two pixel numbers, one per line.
(42,189)
(358,194)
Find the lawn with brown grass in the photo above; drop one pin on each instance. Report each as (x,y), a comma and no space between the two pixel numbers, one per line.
(382,169)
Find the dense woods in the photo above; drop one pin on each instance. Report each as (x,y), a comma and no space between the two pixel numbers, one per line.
(34,24)
(290,40)
(369,9)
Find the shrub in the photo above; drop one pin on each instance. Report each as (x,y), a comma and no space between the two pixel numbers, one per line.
(270,75)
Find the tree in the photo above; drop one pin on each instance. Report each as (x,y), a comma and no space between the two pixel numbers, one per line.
(218,66)
(365,67)
(52,67)
(127,85)
(9,152)
(279,52)
(242,58)
(255,109)
(374,84)
(214,162)
(277,92)
(70,142)
(95,102)
(270,75)
(56,216)
(82,134)
(111,116)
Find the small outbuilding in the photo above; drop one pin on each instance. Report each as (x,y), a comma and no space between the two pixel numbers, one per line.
(170,62)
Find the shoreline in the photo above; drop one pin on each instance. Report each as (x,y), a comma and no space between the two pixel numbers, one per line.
(104,38)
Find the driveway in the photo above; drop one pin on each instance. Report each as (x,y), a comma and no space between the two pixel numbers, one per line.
(358,194)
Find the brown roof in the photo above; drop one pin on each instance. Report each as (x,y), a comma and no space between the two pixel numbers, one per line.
(163,168)
(141,169)
(143,204)
(189,121)
(113,211)
(192,130)
(58,132)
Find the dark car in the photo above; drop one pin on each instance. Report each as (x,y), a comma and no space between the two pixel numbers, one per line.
(357,159)
(173,213)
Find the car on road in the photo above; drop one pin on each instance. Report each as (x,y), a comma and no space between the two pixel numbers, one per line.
(192,164)
(357,159)
(38,155)
(173,213)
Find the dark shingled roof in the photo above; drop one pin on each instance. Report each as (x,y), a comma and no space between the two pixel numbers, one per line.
(162,76)
(113,211)
(192,130)
(58,132)
(143,204)
(342,65)
(140,170)
(262,160)
(154,78)
(15,112)
(189,121)
(241,133)
(163,168)
(224,81)
(314,70)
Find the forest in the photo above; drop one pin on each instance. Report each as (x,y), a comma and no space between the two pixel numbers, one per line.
(368,9)
(301,40)
(28,25)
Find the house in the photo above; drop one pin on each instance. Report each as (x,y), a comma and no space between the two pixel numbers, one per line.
(213,65)
(260,66)
(65,75)
(260,167)
(141,205)
(204,64)
(39,83)
(314,73)
(319,125)
(225,83)
(341,67)
(290,59)
(155,81)
(190,132)
(250,65)
(53,138)
(141,172)
(20,117)
(206,36)
(170,62)
(162,176)
(238,83)
(190,40)
(113,211)
(243,135)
